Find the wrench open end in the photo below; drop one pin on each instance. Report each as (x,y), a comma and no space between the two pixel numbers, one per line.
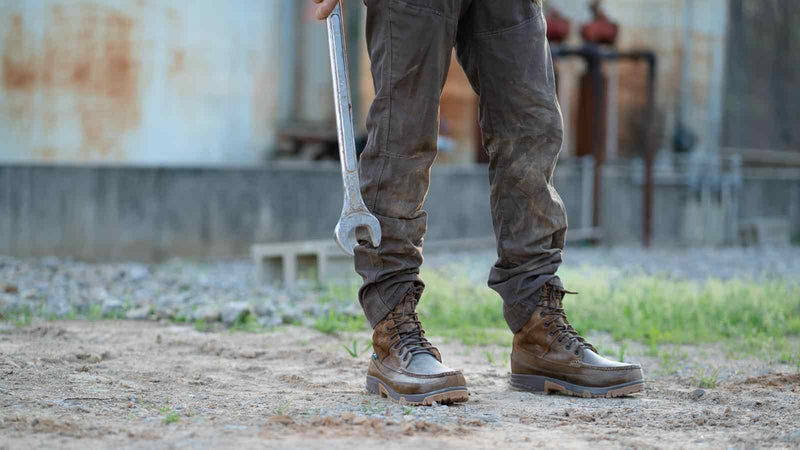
(346,230)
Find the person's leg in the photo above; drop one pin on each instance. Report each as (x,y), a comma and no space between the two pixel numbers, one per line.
(410,43)
(505,54)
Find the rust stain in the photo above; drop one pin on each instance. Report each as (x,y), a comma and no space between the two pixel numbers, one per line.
(18,70)
(178,62)
(89,58)
(46,153)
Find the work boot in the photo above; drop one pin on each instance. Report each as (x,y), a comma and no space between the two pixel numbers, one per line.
(405,366)
(548,355)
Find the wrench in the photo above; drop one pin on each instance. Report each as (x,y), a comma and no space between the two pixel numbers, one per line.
(354,212)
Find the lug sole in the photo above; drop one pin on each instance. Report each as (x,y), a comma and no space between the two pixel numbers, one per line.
(537,383)
(444,396)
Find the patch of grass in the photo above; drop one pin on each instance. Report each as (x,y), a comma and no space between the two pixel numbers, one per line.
(353,350)
(621,355)
(20,317)
(334,323)
(659,310)
(201,325)
(669,362)
(650,309)
(706,378)
(247,323)
(95,312)
(171,417)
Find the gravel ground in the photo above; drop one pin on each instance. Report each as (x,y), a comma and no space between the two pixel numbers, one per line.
(157,384)
(225,291)
(619,262)
(126,384)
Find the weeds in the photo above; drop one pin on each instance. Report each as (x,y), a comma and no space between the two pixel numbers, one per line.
(669,361)
(170,416)
(705,379)
(622,348)
(334,323)
(201,325)
(650,309)
(247,323)
(353,351)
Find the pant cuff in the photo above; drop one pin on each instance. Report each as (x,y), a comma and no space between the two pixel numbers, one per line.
(519,313)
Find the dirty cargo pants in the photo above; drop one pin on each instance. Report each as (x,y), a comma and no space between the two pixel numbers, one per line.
(502,47)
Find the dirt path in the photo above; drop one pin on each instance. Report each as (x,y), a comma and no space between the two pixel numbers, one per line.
(129,384)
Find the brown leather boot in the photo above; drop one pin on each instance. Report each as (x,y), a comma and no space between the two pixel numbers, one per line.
(548,355)
(405,366)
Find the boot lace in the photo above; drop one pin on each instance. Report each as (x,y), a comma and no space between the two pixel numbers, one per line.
(564,330)
(408,335)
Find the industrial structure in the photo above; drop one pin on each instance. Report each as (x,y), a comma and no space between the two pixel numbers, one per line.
(143,130)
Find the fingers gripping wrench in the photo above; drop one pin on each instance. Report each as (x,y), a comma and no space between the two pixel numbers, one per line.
(354,212)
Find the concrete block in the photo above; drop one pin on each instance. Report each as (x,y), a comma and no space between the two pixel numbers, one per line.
(771,231)
(287,262)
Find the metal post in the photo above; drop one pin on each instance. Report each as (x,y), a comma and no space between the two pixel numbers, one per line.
(649,154)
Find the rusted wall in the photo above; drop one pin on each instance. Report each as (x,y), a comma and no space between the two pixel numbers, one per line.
(659,25)
(138,81)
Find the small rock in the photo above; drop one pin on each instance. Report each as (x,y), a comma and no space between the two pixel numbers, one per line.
(270,321)
(11,289)
(291,315)
(207,313)
(57,308)
(138,272)
(141,313)
(234,311)
(165,312)
(112,307)
(91,358)
(697,394)
(264,309)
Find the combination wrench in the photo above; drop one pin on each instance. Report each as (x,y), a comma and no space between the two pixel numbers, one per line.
(354,212)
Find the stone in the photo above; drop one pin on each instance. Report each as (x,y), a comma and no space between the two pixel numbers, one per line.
(11,289)
(57,308)
(140,313)
(137,272)
(112,307)
(270,321)
(264,309)
(697,394)
(207,313)
(234,311)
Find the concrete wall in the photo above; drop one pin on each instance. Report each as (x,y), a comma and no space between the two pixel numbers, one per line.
(139,81)
(104,213)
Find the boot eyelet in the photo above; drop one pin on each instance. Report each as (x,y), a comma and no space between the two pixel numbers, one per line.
(576,352)
(547,324)
(541,313)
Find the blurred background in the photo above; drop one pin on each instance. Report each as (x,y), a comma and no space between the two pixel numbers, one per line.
(144,130)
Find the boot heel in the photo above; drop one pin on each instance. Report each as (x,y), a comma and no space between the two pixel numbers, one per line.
(532,383)
(372,385)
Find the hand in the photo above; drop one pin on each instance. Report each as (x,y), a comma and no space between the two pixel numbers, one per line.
(325,8)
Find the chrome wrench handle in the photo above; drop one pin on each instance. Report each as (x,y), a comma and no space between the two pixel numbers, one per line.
(354,212)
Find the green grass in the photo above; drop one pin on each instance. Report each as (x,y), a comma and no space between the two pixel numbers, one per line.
(354,351)
(247,323)
(334,323)
(750,316)
(706,378)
